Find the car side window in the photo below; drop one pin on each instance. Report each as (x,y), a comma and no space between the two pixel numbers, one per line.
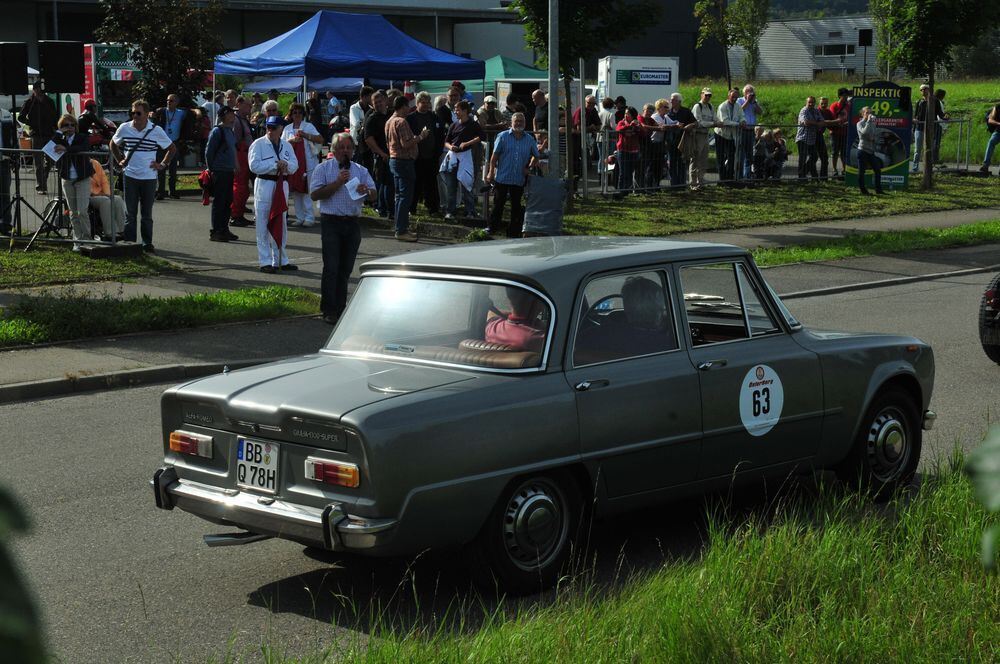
(713,304)
(624,315)
(758,317)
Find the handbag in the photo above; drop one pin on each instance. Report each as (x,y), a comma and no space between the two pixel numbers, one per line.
(207,183)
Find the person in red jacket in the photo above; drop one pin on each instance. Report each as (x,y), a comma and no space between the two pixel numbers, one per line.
(630,133)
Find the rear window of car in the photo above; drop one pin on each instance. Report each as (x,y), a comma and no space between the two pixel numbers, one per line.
(477,324)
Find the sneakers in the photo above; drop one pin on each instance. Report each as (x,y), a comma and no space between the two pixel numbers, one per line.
(289,267)
(295,223)
(406,237)
(222,236)
(149,249)
(985,170)
(308,224)
(240,221)
(448,216)
(268,269)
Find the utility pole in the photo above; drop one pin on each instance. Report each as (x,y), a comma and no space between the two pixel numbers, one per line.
(555,169)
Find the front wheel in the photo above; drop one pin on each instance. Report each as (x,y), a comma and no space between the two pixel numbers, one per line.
(989,320)
(528,538)
(886,451)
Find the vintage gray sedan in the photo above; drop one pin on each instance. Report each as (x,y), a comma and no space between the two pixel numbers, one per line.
(497,394)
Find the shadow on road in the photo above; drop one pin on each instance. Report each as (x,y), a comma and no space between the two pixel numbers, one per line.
(437,590)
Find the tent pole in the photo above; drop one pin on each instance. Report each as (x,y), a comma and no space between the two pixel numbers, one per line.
(305,93)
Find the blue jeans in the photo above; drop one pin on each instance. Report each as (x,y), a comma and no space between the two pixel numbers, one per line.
(139,197)
(451,187)
(404,174)
(918,142)
(626,170)
(990,146)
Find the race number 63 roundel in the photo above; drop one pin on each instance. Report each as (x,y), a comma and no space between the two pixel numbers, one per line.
(761,399)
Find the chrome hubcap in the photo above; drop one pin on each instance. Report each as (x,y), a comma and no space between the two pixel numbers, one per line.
(888,444)
(534,525)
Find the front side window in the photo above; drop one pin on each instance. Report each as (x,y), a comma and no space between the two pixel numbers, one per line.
(722,304)
(433,320)
(622,316)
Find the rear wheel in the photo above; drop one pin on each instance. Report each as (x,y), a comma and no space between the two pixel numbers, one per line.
(528,538)
(989,320)
(887,450)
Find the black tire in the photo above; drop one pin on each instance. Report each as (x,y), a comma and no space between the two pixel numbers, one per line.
(529,537)
(989,327)
(886,452)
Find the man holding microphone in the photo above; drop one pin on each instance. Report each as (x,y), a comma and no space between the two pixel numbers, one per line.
(340,185)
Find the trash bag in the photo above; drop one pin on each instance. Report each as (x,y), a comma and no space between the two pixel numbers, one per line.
(543,213)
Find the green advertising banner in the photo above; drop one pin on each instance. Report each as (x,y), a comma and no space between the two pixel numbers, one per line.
(892,108)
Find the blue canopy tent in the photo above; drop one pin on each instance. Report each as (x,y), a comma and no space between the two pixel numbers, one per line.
(339,86)
(338,44)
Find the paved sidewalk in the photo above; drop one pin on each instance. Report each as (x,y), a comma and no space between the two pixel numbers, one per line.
(181,236)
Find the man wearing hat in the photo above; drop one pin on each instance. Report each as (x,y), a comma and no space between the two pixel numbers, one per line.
(704,118)
(919,119)
(220,155)
(88,118)
(489,116)
(272,160)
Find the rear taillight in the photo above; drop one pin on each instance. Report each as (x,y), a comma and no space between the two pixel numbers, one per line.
(194,444)
(990,297)
(333,472)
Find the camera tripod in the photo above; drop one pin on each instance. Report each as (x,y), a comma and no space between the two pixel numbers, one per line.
(51,216)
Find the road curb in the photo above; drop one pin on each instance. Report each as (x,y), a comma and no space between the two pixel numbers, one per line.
(55,387)
(886,283)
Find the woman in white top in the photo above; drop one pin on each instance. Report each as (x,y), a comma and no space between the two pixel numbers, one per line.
(300,132)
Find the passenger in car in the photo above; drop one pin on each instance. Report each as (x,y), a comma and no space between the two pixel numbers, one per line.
(517,328)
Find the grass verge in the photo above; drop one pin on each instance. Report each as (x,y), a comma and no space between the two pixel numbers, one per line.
(881,243)
(70,315)
(58,265)
(811,578)
(724,207)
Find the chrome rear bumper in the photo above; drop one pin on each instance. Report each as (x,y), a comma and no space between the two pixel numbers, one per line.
(329,527)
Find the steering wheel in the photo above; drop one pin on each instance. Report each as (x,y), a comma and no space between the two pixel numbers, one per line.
(600,309)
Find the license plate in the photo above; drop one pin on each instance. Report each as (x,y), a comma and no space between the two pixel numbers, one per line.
(257,465)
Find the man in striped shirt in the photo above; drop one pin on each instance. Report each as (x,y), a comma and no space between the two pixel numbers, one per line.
(134,146)
(513,153)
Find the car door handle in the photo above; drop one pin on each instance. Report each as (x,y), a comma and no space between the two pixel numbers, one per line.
(712,364)
(589,384)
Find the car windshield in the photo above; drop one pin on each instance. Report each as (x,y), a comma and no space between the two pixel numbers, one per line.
(443,321)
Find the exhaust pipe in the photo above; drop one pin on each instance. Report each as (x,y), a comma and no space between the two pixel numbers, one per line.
(234,539)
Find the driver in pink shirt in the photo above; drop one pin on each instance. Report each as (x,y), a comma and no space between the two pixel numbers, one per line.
(516,328)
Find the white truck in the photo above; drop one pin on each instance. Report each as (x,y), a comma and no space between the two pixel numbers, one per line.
(640,79)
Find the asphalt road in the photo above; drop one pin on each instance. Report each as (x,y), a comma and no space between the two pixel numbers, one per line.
(118,580)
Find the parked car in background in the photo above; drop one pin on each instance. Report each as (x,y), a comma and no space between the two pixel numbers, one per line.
(499,394)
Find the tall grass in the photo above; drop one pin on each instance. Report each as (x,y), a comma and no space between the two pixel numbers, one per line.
(813,577)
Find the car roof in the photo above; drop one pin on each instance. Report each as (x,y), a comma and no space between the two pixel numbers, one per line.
(552,261)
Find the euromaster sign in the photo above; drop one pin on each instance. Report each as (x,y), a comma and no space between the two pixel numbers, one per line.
(892,107)
(644,77)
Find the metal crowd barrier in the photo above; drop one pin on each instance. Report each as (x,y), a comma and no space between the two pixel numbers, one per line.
(33,205)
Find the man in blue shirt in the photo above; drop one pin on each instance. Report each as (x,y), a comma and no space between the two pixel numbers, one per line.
(174,121)
(514,152)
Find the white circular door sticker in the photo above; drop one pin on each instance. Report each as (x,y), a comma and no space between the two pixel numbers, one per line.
(761,399)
